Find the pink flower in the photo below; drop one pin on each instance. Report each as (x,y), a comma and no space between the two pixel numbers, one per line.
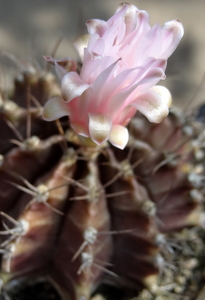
(121,64)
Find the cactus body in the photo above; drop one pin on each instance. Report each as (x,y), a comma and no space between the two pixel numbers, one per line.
(86,215)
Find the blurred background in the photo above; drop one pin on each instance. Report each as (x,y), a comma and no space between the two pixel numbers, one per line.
(31,28)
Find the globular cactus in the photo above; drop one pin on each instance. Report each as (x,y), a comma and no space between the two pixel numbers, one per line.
(91,216)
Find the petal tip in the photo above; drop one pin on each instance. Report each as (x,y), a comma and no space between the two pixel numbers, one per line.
(152,105)
(99,127)
(54,109)
(119,136)
(176,27)
(164,93)
(72,86)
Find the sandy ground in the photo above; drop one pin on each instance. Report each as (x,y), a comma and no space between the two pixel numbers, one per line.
(32,27)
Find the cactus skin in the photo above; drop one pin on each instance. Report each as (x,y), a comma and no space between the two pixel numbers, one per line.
(86,215)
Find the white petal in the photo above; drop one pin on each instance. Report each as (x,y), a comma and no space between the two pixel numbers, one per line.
(72,86)
(54,109)
(81,43)
(152,106)
(80,129)
(164,93)
(119,136)
(99,127)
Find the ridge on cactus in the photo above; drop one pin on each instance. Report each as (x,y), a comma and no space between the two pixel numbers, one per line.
(122,61)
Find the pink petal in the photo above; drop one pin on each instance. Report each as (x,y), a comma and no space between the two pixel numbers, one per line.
(96,26)
(150,73)
(130,18)
(96,45)
(81,104)
(117,85)
(131,76)
(152,77)
(118,17)
(126,97)
(90,65)
(125,116)
(101,82)
(148,45)
(54,109)
(152,106)
(72,86)
(173,31)
(99,127)
(119,136)
(135,18)
(141,28)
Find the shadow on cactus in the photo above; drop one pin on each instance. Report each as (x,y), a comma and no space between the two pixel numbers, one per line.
(79,212)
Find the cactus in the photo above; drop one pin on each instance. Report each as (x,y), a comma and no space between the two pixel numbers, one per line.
(94,219)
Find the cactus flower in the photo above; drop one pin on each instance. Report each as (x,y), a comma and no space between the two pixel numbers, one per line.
(122,61)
